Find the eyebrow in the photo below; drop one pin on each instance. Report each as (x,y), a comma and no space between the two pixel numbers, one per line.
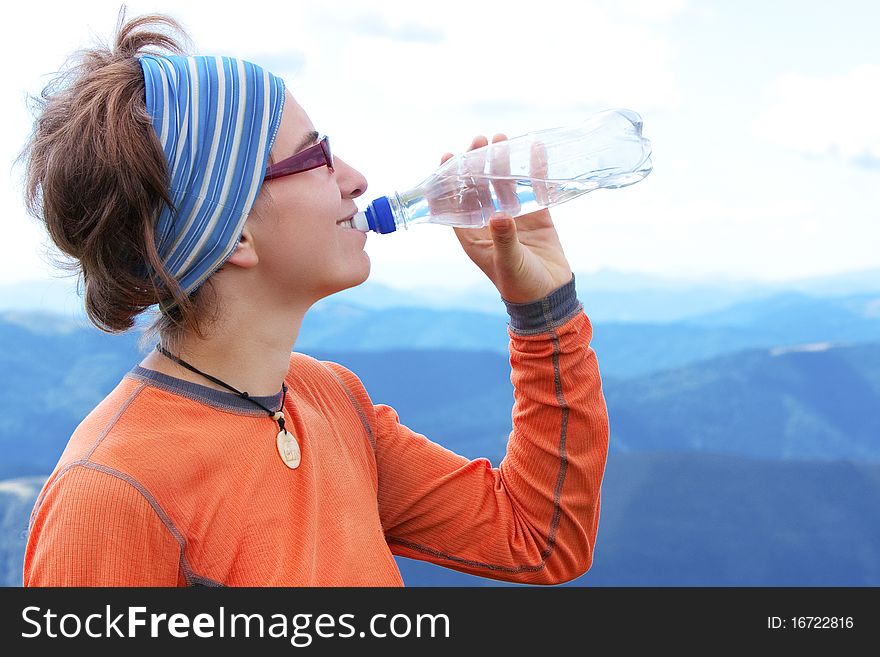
(307,140)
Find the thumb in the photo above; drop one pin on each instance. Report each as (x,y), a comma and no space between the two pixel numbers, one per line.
(503,230)
(508,252)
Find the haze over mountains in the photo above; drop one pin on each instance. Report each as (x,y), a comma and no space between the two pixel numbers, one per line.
(745,439)
(612,295)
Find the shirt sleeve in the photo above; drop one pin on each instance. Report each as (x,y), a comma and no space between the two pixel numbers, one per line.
(534,519)
(92,528)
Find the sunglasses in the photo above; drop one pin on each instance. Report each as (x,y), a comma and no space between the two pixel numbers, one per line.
(310,158)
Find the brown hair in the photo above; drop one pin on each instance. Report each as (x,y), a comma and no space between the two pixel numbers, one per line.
(97,177)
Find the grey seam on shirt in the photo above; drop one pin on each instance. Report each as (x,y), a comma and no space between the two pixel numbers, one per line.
(112,422)
(563,455)
(466,562)
(191,578)
(87,455)
(223,401)
(357,407)
(557,493)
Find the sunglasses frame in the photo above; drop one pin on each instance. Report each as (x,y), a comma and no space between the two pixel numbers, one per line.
(313,157)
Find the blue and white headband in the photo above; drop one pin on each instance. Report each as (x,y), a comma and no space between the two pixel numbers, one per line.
(217,118)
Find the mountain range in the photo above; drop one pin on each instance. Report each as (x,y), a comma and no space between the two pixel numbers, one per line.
(626,349)
(795,399)
(803,403)
(611,295)
(745,437)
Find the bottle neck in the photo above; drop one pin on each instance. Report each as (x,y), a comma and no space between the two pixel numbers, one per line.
(400,206)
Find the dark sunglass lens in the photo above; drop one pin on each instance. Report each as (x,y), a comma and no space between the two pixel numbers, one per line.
(314,159)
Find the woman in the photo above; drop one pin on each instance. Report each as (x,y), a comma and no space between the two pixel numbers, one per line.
(200,185)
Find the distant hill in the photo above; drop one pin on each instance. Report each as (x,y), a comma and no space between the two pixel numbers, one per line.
(17,497)
(611,295)
(769,403)
(814,401)
(626,349)
(353,328)
(54,372)
(460,399)
(790,314)
(673,520)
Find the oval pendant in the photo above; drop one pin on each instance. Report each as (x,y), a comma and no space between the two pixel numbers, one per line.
(288,449)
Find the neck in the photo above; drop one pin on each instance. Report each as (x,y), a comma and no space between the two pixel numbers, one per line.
(247,349)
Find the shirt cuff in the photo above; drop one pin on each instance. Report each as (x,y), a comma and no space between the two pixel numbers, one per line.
(545,314)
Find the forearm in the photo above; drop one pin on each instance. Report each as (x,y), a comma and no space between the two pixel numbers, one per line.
(556,455)
(534,518)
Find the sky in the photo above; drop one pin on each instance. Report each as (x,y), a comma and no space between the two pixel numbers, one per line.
(763,116)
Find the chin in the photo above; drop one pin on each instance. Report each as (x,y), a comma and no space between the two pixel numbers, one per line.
(355,279)
(364,274)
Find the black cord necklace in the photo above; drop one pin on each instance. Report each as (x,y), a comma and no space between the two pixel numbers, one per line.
(288,448)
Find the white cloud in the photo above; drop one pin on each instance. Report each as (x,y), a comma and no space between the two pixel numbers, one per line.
(830,116)
(369,22)
(649,9)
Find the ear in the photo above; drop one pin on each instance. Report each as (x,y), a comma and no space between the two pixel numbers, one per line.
(245,254)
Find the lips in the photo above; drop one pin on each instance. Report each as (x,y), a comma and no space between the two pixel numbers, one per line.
(349,223)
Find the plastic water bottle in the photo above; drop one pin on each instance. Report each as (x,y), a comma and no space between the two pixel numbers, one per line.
(520,175)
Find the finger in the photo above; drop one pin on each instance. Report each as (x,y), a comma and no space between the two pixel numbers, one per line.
(478,197)
(499,167)
(538,173)
(478,142)
(437,200)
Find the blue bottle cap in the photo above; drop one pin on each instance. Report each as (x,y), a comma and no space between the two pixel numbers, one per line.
(380,217)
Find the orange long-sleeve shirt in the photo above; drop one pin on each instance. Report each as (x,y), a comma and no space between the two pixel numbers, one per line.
(170,483)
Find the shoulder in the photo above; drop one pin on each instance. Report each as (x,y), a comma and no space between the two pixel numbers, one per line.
(168,442)
(303,366)
(122,402)
(334,382)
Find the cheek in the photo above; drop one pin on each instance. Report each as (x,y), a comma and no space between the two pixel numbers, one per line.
(300,216)
(301,227)
(308,204)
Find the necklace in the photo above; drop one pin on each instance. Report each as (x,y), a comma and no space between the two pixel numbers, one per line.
(288,447)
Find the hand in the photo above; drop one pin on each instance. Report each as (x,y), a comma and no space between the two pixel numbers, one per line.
(522,257)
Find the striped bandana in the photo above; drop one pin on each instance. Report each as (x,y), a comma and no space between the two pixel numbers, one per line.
(217,119)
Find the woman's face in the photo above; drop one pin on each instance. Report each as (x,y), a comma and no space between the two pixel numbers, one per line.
(301,247)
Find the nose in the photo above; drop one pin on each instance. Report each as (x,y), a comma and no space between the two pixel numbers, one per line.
(351,181)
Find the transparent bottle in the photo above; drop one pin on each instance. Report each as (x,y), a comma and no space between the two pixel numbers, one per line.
(536,170)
